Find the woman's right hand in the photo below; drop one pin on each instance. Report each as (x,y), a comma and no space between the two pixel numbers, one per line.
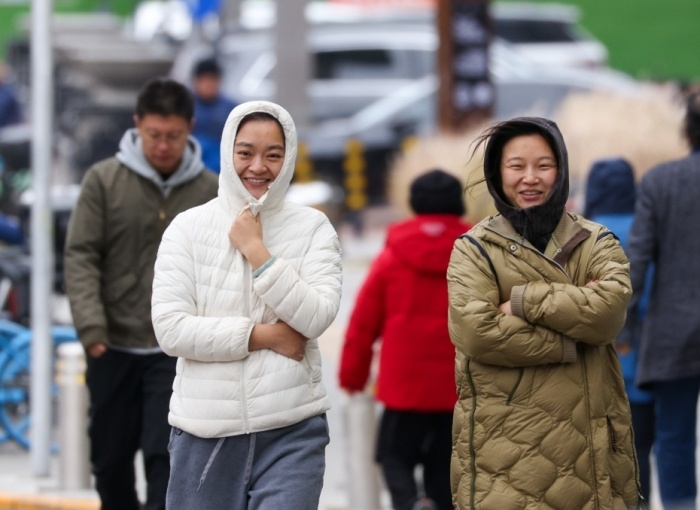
(292,344)
(278,337)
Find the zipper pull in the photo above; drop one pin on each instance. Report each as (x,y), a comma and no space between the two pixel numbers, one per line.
(161,214)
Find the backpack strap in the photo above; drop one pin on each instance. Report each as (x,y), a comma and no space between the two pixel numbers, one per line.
(485,255)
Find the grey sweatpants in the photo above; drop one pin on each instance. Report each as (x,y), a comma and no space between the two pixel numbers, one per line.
(270,470)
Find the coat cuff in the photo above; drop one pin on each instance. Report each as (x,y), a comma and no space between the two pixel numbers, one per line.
(569,345)
(93,335)
(517,294)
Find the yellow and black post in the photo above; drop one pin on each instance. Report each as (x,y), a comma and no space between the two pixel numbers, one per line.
(354,168)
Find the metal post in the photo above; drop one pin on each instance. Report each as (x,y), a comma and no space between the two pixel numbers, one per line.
(293,68)
(41,238)
(363,474)
(72,411)
(230,13)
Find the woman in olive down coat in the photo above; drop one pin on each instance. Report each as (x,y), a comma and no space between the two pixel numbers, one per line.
(536,298)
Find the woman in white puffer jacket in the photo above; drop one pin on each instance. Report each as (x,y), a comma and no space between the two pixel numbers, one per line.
(244,285)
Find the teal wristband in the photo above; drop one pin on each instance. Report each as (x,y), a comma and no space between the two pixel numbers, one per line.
(262,268)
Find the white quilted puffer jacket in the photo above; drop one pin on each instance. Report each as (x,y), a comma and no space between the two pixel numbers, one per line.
(206,302)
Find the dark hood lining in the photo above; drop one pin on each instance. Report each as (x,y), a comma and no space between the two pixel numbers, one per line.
(536,223)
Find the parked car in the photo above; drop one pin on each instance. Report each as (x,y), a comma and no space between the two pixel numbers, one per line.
(548,34)
(411,111)
(354,63)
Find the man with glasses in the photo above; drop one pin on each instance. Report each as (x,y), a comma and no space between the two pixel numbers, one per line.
(125,204)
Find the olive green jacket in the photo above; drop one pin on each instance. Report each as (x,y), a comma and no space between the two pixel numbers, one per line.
(542,420)
(113,238)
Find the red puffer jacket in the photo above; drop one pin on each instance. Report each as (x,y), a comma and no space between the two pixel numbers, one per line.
(403,302)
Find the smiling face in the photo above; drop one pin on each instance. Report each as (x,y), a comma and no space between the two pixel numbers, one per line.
(258,154)
(528,170)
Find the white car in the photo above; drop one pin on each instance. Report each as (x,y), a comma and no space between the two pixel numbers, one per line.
(548,34)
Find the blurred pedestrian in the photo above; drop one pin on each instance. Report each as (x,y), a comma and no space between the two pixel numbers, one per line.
(125,204)
(610,197)
(663,234)
(10,108)
(403,302)
(211,109)
(537,296)
(244,286)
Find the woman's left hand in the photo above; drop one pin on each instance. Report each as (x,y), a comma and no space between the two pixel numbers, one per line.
(505,308)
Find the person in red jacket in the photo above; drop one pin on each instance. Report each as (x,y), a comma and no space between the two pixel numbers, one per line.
(403,302)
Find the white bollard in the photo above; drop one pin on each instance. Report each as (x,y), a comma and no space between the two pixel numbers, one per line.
(364,485)
(74,447)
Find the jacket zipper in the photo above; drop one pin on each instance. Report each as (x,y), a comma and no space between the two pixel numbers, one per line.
(472,452)
(590,425)
(248,306)
(636,468)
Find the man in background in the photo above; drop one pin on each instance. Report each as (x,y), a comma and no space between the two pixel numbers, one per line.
(664,233)
(125,204)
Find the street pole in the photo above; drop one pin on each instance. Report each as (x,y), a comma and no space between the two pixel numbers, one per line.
(293,68)
(466,94)
(41,235)
(230,13)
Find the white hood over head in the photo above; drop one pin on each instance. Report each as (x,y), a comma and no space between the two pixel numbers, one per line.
(233,194)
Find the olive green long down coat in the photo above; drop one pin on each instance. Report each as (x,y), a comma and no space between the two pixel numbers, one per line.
(542,420)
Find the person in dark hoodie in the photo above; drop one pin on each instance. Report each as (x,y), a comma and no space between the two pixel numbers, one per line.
(610,197)
(663,235)
(403,302)
(537,296)
(125,204)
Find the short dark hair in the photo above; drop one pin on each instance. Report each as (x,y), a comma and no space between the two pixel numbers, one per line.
(207,66)
(164,96)
(692,120)
(437,192)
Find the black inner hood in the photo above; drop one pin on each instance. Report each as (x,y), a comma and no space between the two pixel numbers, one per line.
(536,223)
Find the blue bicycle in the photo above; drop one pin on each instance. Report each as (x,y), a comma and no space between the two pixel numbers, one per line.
(15,366)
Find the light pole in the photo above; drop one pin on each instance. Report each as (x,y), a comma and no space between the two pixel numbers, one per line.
(41,235)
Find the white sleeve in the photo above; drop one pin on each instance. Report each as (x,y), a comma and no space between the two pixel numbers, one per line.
(308,299)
